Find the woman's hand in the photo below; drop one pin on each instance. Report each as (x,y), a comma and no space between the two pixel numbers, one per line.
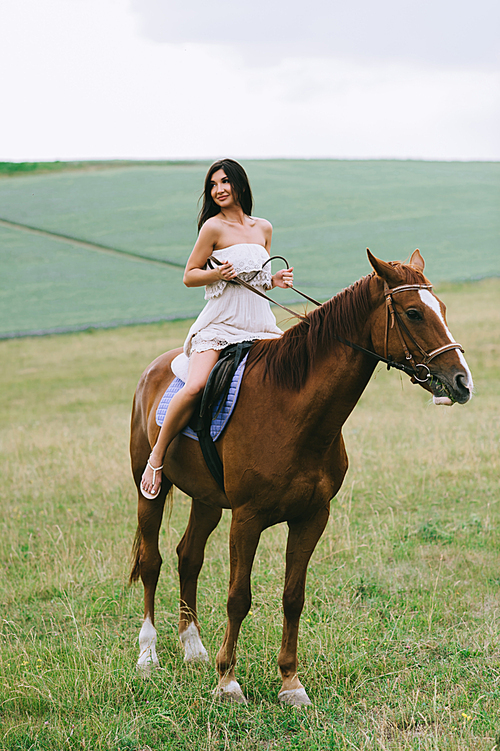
(283,278)
(226,271)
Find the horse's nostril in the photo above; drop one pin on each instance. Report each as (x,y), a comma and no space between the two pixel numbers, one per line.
(462,381)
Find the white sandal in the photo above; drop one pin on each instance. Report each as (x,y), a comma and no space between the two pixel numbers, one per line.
(147,495)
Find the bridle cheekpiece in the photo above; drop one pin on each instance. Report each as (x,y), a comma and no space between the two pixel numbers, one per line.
(400,326)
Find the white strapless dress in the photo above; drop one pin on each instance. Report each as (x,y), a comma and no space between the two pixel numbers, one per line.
(232,314)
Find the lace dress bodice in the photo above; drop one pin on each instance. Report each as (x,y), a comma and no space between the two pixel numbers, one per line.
(246,258)
(233,313)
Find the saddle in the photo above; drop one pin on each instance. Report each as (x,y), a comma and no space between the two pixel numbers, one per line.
(216,391)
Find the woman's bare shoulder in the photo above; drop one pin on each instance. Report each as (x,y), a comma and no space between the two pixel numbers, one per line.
(211,230)
(213,221)
(266,226)
(267,230)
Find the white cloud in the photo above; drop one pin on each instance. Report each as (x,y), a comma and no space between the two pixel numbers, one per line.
(382,109)
(437,31)
(83,83)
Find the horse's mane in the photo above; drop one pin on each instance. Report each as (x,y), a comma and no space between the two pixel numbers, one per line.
(289,360)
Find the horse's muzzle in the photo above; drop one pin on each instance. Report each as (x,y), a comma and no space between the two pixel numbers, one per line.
(450,389)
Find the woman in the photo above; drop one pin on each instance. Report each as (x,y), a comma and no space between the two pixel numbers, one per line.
(229,233)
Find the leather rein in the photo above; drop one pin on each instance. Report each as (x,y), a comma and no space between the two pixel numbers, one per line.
(410,367)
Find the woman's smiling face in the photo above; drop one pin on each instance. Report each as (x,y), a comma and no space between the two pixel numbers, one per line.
(221,190)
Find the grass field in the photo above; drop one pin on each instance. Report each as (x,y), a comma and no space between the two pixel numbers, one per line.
(399,642)
(60,286)
(325,213)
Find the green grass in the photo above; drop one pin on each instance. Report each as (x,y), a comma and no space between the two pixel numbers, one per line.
(325,213)
(20,169)
(399,640)
(12,169)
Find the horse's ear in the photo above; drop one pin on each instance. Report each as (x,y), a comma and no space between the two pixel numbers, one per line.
(417,261)
(384,270)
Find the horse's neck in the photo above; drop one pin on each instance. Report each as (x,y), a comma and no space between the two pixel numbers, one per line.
(334,388)
(335,391)
(314,415)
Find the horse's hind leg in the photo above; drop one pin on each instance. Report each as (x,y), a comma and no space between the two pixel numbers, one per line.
(191,550)
(147,565)
(302,539)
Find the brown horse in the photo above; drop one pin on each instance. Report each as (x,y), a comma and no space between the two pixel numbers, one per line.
(283,452)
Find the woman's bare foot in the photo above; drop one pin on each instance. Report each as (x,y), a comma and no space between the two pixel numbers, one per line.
(151,478)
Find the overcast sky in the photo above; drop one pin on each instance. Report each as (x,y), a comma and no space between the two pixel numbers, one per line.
(151,79)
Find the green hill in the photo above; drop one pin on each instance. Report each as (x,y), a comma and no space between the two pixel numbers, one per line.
(325,213)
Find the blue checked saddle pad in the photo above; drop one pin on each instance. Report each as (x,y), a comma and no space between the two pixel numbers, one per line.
(220,417)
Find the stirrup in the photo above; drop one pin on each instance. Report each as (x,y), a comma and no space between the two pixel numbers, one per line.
(151,496)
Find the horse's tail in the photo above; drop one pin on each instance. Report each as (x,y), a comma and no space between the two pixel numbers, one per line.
(135,556)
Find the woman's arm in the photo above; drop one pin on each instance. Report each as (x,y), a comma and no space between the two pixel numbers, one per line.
(195,275)
(283,278)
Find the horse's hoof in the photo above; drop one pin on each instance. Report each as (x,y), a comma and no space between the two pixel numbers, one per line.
(147,644)
(194,651)
(231,692)
(145,669)
(199,657)
(296,697)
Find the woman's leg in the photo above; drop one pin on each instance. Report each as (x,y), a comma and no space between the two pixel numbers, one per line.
(179,413)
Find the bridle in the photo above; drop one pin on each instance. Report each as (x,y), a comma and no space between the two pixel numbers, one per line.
(409,367)
(400,326)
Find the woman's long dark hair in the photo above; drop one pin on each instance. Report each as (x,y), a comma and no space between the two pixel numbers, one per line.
(239,183)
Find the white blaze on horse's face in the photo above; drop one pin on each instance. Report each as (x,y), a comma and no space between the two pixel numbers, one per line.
(433,303)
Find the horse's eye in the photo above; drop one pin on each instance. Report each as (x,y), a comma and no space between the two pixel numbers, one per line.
(413,315)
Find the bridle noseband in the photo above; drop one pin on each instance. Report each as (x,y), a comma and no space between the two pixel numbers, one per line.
(400,326)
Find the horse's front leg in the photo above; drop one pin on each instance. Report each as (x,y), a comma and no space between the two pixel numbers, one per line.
(302,539)
(191,551)
(149,561)
(243,541)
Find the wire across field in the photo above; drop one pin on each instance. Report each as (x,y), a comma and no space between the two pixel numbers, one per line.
(325,213)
